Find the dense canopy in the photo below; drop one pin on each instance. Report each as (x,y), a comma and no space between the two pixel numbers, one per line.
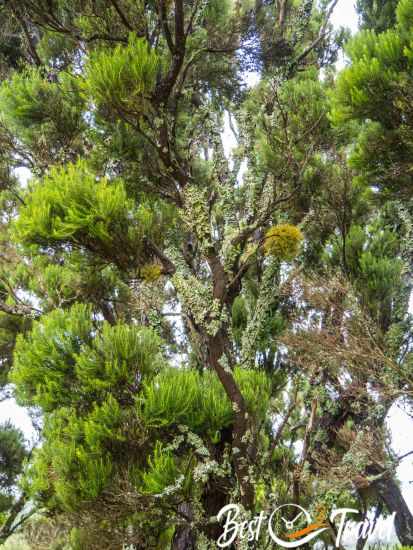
(206,252)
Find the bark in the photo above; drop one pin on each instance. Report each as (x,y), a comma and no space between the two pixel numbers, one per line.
(215,498)
(184,537)
(362,541)
(217,346)
(390,494)
(165,87)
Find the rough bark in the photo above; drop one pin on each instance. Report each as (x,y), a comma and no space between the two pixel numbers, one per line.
(219,347)
(184,538)
(390,494)
(216,350)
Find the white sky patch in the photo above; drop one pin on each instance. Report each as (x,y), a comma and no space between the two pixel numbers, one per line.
(401,426)
(230,141)
(344,15)
(9,410)
(23,174)
(251,79)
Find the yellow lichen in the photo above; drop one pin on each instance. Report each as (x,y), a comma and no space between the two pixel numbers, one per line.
(150,272)
(283,241)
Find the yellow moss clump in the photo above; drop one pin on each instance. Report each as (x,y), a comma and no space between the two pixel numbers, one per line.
(150,272)
(283,241)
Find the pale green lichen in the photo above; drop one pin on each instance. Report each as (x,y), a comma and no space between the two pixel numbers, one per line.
(197,298)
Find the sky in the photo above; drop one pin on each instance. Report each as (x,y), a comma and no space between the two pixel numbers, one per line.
(345,15)
(399,423)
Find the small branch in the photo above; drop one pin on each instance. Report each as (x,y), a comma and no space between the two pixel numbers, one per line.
(321,35)
(192,18)
(121,15)
(285,419)
(402,457)
(306,443)
(169,267)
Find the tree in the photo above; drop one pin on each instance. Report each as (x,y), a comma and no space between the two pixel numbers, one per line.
(153,279)
(381,62)
(378,15)
(12,454)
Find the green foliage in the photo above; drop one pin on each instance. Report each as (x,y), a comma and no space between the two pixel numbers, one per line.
(162,471)
(41,112)
(69,356)
(12,455)
(378,15)
(378,61)
(124,77)
(239,317)
(46,357)
(372,263)
(73,206)
(74,463)
(383,63)
(304,98)
(178,396)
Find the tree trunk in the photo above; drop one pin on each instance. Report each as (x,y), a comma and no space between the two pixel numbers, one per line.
(216,351)
(184,537)
(214,499)
(389,492)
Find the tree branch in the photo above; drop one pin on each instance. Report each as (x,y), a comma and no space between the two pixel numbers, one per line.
(169,267)
(121,15)
(321,35)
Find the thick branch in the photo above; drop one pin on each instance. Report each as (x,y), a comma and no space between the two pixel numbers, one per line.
(165,27)
(217,346)
(164,89)
(17,309)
